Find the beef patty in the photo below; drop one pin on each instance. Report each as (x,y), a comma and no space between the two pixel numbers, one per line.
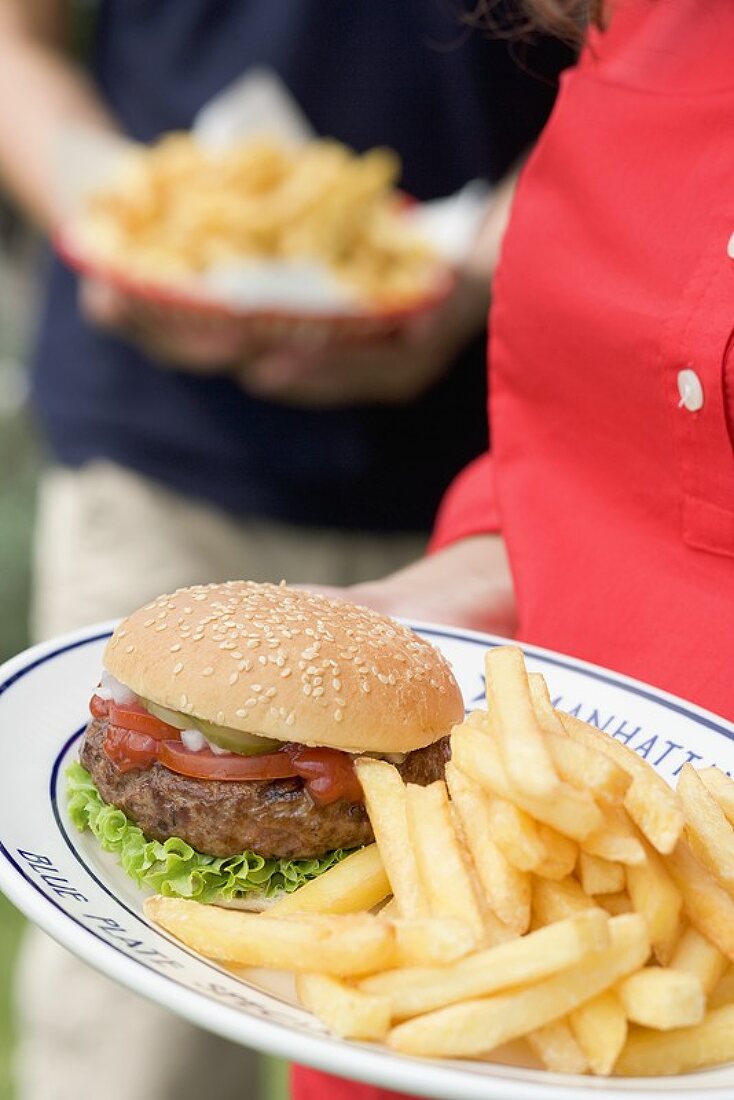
(277,818)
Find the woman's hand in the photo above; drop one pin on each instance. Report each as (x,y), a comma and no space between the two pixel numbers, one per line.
(181,342)
(391,371)
(468,584)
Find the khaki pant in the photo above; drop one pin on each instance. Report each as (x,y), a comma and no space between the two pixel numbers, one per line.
(107,541)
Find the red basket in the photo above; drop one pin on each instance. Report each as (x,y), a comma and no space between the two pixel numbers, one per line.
(271,326)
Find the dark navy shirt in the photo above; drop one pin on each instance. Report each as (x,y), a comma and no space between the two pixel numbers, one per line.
(403,73)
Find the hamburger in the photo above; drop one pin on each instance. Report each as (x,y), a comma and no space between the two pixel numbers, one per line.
(218,762)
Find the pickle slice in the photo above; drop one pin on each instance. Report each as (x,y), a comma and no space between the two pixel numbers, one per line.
(247,744)
(173,717)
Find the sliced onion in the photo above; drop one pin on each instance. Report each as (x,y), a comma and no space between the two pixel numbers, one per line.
(194,740)
(112,688)
(217,749)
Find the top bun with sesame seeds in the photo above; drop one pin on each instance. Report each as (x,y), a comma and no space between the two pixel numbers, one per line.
(289,665)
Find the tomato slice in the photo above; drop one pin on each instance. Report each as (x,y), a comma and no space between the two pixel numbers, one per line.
(99,707)
(329,774)
(206,764)
(132,716)
(129,750)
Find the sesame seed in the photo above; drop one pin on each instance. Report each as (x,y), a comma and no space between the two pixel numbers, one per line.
(220,717)
(256,687)
(175,647)
(183,700)
(129,648)
(241,712)
(290,719)
(286,673)
(251,703)
(270,693)
(262,659)
(306,689)
(318,692)
(207,671)
(336,684)
(337,715)
(233,678)
(178,667)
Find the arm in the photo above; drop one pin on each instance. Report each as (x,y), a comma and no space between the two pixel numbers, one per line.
(41,90)
(467,584)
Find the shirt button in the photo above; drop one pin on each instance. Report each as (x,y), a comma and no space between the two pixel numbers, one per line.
(690,390)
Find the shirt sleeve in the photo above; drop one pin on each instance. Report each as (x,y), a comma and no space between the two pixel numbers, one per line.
(469,506)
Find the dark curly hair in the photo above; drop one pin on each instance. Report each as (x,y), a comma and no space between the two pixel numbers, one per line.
(567,19)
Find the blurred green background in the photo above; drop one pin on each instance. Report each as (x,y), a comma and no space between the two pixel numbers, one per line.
(19,461)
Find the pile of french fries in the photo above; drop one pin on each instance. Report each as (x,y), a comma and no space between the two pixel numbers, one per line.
(553,888)
(179,209)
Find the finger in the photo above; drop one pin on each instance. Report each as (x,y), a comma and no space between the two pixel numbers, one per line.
(102,304)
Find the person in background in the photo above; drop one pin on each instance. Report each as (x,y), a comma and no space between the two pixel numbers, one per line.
(176,456)
(603,523)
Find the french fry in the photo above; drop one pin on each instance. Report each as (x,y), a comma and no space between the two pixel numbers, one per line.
(721,786)
(522,960)
(695,955)
(571,812)
(477,1026)
(560,854)
(707,905)
(600,1028)
(650,802)
(356,883)
(346,1011)
(662,1053)
(515,833)
(345,945)
(709,833)
(600,876)
(441,863)
(654,894)
(585,767)
(430,941)
(385,798)
(662,998)
(554,901)
(615,904)
(616,839)
(506,889)
(723,994)
(556,1047)
(520,739)
(545,715)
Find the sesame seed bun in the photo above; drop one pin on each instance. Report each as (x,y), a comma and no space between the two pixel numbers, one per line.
(287,664)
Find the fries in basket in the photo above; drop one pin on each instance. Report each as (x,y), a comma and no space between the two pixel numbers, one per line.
(179,210)
(577,902)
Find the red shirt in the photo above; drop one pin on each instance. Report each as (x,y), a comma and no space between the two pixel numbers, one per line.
(615,496)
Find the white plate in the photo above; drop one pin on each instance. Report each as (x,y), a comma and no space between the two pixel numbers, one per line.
(61,880)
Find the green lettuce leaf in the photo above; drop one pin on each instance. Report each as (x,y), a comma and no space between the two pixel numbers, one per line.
(173,867)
